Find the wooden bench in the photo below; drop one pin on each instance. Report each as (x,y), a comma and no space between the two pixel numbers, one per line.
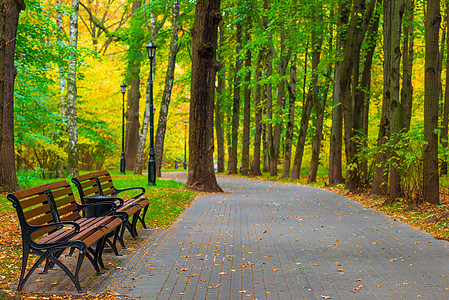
(50,223)
(98,186)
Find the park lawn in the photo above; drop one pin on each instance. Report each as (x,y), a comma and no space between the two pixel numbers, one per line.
(168,199)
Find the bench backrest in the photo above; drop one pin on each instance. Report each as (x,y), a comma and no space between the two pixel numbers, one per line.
(94,184)
(44,204)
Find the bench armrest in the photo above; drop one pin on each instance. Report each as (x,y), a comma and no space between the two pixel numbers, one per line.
(142,191)
(36,245)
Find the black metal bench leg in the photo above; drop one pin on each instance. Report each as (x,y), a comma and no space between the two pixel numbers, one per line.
(25,254)
(49,264)
(142,219)
(134,224)
(125,221)
(112,243)
(93,261)
(99,251)
(116,237)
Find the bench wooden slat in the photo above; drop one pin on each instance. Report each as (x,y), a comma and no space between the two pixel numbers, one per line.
(51,203)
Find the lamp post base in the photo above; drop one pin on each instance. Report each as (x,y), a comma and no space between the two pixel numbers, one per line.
(122,164)
(152,172)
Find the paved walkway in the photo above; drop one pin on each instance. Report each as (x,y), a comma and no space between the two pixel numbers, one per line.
(266,240)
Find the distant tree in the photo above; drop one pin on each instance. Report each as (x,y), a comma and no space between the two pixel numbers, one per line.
(291,87)
(431,92)
(169,80)
(134,57)
(201,175)
(233,161)
(358,25)
(72,125)
(397,11)
(246,106)
(336,138)
(255,169)
(9,18)
(174,48)
(219,105)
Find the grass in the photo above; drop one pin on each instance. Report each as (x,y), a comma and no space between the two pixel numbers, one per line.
(167,199)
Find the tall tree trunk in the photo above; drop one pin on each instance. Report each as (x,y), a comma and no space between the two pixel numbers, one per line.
(72,129)
(316,145)
(407,65)
(201,175)
(170,76)
(291,120)
(269,108)
(246,108)
(233,161)
(9,19)
(258,116)
(282,64)
(394,190)
(336,138)
(362,97)
(312,97)
(430,154)
(265,149)
(219,108)
(318,105)
(304,123)
(133,74)
(379,186)
(360,19)
(62,90)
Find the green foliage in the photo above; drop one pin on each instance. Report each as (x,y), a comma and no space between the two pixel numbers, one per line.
(409,161)
(37,116)
(29,178)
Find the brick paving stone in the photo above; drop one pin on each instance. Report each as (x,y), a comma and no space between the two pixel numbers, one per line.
(268,240)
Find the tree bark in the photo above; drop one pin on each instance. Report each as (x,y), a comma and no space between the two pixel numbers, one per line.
(170,76)
(72,127)
(258,116)
(397,9)
(430,153)
(233,161)
(291,120)
(62,89)
(9,18)
(316,145)
(133,74)
(379,185)
(336,138)
(312,97)
(201,175)
(362,97)
(246,108)
(360,19)
(265,148)
(407,65)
